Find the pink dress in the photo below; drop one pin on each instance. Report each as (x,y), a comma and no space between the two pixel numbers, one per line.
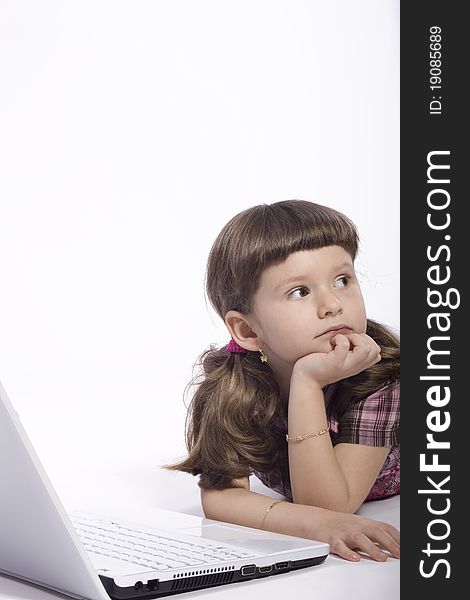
(373,421)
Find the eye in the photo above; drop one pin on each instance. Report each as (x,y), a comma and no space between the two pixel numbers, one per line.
(298,290)
(343,281)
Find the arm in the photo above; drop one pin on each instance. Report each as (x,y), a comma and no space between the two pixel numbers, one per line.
(336,478)
(343,532)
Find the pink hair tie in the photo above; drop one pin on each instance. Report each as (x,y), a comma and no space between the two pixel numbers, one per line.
(232,346)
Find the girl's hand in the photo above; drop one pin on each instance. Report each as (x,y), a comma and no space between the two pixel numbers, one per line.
(351,353)
(349,534)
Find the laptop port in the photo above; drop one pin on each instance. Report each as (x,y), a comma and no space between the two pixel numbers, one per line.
(266,569)
(138,585)
(152,584)
(248,570)
(282,565)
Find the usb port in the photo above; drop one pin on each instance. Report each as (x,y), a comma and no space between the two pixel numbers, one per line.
(266,569)
(282,565)
(248,570)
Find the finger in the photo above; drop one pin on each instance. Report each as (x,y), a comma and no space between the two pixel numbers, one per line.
(358,338)
(341,549)
(362,542)
(393,532)
(340,344)
(357,341)
(370,339)
(363,340)
(364,345)
(340,350)
(388,543)
(372,343)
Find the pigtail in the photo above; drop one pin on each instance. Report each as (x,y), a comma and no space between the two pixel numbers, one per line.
(228,430)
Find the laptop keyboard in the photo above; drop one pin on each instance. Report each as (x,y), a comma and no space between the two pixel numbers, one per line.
(149,548)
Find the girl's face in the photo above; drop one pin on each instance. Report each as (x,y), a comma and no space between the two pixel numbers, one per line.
(298,300)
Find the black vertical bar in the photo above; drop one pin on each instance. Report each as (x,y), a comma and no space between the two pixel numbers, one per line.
(435,332)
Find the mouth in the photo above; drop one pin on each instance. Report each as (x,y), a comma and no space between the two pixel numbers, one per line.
(335,330)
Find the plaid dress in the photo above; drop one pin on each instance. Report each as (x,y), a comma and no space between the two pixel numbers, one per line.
(373,421)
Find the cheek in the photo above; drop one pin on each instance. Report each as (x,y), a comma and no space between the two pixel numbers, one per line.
(283,332)
(361,316)
(280,330)
(364,325)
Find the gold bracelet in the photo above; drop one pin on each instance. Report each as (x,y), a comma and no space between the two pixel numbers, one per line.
(300,438)
(273,503)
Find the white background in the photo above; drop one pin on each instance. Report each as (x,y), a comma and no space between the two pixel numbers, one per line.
(130,133)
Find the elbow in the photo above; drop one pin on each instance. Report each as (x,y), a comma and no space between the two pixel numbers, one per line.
(207,503)
(211,504)
(215,501)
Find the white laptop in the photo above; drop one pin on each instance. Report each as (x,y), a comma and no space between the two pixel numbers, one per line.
(97,558)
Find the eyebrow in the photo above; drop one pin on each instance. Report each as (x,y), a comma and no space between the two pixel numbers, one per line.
(303,277)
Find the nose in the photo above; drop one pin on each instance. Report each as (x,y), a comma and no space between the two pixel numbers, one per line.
(329,305)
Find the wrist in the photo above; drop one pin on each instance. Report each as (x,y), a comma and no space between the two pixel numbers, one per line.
(304,380)
(313,519)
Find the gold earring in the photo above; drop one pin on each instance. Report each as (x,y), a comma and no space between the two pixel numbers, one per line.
(263,357)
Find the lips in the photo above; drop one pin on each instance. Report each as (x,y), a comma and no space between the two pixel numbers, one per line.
(336,329)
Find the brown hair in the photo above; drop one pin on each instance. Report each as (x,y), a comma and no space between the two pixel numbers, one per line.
(231,421)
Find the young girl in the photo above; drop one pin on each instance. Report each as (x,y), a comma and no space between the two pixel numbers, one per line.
(306,393)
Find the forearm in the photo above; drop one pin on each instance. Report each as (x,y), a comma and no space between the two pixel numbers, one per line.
(316,477)
(243,507)
(345,533)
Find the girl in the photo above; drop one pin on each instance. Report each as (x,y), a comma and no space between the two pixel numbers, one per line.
(306,393)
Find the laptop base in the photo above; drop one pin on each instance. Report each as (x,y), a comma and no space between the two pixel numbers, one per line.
(156,589)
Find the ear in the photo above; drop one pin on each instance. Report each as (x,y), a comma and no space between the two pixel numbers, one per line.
(241,331)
